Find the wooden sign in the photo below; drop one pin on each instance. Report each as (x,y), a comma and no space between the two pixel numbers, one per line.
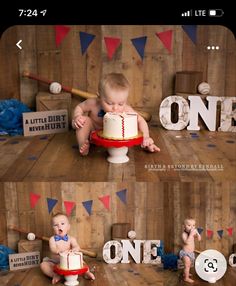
(232,260)
(45,122)
(24,260)
(189,113)
(125,247)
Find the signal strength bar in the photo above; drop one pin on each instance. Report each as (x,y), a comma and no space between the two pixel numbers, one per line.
(187,13)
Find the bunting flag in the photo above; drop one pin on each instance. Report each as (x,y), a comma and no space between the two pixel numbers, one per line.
(51,204)
(209,233)
(61,32)
(200,230)
(230,231)
(69,207)
(139,44)
(191,31)
(112,45)
(88,206)
(166,38)
(220,232)
(85,40)
(106,201)
(34,199)
(122,195)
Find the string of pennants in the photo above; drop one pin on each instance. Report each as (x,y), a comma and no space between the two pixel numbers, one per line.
(70,205)
(220,232)
(112,43)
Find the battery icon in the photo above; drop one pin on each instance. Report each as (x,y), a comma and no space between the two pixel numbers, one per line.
(216,12)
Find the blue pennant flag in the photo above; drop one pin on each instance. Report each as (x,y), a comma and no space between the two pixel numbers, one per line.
(139,44)
(200,230)
(220,233)
(191,31)
(122,195)
(85,40)
(51,204)
(88,206)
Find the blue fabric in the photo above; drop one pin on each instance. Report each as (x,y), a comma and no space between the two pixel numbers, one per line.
(160,249)
(4,261)
(58,237)
(11,116)
(170,261)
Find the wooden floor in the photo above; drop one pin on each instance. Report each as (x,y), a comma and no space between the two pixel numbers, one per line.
(174,278)
(106,275)
(56,158)
(116,274)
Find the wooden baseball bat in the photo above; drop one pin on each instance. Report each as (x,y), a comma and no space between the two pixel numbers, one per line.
(76,91)
(72,90)
(45,238)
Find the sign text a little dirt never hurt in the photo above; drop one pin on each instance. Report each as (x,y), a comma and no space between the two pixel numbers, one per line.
(45,122)
(24,260)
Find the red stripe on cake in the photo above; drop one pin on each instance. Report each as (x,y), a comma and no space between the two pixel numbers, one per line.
(123,127)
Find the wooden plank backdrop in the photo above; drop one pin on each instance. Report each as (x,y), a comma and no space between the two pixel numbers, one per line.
(154,210)
(151,79)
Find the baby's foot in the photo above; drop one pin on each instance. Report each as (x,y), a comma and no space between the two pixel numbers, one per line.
(84,148)
(89,275)
(189,280)
(56,278)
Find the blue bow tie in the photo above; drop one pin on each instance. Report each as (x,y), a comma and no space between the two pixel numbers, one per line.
(101,113)
(58,237)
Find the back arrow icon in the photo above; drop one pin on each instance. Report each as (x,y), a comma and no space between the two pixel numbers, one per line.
(18,44)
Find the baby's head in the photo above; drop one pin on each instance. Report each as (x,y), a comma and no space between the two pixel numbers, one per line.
(60,224)
(113,91)
(189,224)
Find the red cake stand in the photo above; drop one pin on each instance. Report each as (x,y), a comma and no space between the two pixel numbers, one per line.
(117,149)
(71,276)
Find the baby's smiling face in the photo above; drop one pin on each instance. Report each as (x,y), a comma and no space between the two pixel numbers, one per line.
(60,225)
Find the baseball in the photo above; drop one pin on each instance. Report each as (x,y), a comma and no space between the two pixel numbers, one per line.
(55,87)
(31,236)
(132,234)
(204,88)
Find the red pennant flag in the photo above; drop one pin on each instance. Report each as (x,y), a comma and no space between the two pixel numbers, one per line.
(230,231)
(112,45)
(69,207)
(106,201)
(209,233)
(34,199)
(166,38)
(61,32)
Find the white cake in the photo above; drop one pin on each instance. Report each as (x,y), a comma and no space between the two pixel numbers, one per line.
(71,260)
(120,126)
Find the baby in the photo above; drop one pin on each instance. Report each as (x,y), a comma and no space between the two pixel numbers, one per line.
(187,253)
(113,94)
(60,242)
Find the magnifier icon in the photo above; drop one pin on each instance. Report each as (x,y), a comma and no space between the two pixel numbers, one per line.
(210,265)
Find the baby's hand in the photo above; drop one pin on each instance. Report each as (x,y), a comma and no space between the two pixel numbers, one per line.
(194,231)
(148,143)
(75,249)
(78,121)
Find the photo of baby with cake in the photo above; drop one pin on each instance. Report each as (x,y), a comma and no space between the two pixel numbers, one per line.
(65,251)
(110,112)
